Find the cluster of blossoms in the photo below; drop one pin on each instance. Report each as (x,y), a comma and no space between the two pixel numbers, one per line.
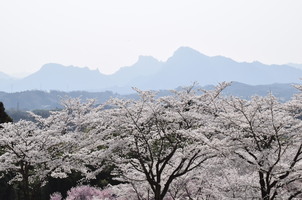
(85,193)
(189,145)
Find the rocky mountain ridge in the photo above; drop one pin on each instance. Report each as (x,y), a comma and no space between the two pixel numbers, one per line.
(183,68)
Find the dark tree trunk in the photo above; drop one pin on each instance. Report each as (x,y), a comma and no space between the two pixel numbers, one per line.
(25,181)
(265,194)
(158,192)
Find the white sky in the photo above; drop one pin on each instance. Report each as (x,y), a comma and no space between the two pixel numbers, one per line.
(109,34)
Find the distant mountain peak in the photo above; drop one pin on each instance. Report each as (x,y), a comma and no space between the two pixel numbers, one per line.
(145,66)
(187,51)
(58,67)
(146,59)
(186,54)
(51,65)
(183,68)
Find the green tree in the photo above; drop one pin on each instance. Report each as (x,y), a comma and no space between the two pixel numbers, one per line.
(6,190)
(3,115)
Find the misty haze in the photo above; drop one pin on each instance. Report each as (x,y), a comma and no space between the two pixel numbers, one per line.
(150,100)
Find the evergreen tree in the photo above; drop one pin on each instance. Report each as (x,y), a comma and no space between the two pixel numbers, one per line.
(3,115)
(6,190)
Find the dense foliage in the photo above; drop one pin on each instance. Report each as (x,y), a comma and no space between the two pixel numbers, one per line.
(189,145)
(3,115)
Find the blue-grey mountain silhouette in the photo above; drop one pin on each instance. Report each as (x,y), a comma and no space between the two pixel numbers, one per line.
(183,68)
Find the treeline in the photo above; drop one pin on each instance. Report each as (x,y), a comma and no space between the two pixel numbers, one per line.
(42,100)
(193,144)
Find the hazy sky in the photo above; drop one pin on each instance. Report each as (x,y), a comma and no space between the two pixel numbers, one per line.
(109,34)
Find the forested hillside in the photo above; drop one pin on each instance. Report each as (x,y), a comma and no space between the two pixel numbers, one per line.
(41,100)
(35,99)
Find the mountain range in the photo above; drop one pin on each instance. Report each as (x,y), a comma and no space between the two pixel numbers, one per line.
(183,68)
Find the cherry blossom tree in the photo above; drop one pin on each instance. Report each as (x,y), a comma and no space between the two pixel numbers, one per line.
(266,140)
(159,140)
(30,153)
(84,123)
(53,146)
(189,145)
(85,192)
